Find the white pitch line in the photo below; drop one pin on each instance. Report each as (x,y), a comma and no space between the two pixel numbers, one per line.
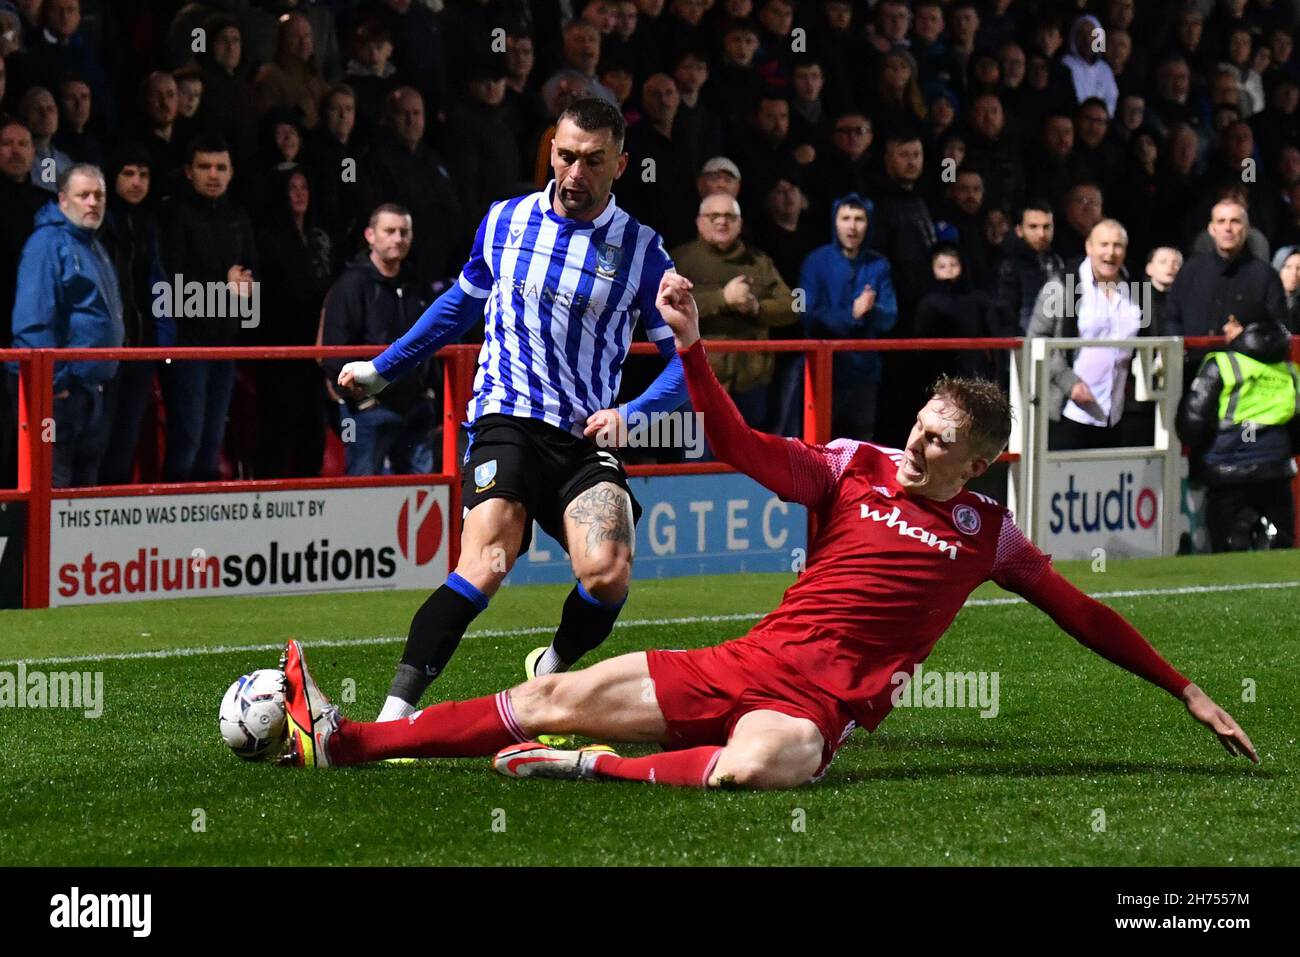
(634,623)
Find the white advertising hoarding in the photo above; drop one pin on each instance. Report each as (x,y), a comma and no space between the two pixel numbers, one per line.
(1115,505)
(131,548)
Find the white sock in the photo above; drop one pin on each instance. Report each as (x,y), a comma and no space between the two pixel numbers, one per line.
(550,663)
(394,709)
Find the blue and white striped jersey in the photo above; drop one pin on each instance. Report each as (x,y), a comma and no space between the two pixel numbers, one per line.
(562,297)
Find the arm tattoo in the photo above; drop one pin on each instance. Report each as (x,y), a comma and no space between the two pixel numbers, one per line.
(603,509)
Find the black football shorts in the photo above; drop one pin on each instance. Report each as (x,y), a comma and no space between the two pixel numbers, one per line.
(541,467)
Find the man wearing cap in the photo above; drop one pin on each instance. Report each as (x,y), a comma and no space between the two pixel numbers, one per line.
(718,175)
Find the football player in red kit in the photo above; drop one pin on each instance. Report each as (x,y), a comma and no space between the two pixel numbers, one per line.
(900,546)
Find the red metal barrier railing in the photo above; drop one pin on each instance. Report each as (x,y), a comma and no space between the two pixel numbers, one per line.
(36,407)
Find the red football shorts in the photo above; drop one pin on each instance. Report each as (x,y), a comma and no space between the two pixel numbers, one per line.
(704,692)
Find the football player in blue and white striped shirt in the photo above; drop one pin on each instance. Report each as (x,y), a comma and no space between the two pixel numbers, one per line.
(561,276)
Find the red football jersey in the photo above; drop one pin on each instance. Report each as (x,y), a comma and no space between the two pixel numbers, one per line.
(886,573)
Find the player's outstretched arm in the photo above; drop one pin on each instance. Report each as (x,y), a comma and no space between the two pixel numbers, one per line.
(445,320)
(795,471)
(1108,633)
(666,393)
(1202,707)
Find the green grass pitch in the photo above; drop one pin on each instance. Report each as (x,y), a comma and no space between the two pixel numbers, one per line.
(1075,738)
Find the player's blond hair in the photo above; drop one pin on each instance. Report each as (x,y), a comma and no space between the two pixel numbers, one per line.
(988,411)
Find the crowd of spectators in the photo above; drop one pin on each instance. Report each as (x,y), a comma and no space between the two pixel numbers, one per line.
(822,168)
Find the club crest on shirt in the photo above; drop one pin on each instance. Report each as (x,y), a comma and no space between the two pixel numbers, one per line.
(485,475)
(966,519)
(607,259)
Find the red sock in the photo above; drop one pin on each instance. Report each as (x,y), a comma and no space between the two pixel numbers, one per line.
(685,769)
(453,729)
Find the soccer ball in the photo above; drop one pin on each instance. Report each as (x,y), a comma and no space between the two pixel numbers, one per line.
(252,713)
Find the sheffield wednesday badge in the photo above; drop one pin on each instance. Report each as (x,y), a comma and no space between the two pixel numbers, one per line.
(607,258)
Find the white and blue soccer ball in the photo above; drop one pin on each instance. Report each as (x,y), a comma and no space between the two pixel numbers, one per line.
(252,713)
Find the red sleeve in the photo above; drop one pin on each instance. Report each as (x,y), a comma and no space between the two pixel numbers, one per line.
(794,470)
(1024,569)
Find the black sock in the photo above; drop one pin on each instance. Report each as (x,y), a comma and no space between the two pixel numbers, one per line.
(585,623)
(436,631)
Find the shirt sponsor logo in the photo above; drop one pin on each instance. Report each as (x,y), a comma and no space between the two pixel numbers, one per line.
(907,530)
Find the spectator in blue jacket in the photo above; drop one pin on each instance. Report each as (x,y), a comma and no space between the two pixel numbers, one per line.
(849,290)
(68,298)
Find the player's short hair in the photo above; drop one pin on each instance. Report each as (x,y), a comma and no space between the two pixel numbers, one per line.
(79,169)
(592,114)
(397,209)
(988,411)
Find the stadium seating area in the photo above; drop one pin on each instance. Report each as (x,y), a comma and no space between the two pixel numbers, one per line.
(952,121)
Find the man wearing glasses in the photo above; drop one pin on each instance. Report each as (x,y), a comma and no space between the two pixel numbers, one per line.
(847,166)
(740,295)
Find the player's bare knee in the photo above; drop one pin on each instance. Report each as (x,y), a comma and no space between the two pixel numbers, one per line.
(609,582)
(759,771)
(785,763)
(543,703)
(606,572)
(782,770)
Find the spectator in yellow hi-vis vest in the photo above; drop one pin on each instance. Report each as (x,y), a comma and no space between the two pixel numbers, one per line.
(1239,417)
